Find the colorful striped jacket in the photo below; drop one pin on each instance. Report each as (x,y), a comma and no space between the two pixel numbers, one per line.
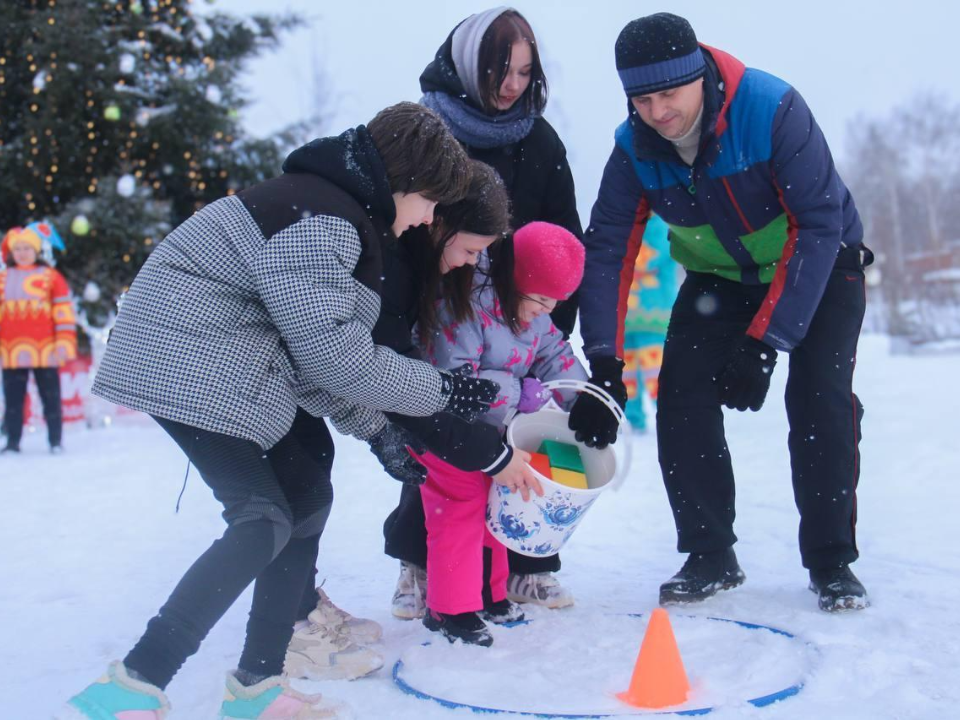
(762,204)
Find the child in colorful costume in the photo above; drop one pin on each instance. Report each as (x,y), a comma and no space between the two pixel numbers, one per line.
(38,330)
(507,337)
(651,298)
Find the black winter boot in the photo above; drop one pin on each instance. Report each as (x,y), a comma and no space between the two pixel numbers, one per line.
(502,612)
(838,589)
(703,575)
(464,626)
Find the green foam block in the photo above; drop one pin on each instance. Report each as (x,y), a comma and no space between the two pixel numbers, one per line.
(566,457)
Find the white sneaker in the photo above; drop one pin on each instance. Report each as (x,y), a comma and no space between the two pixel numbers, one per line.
(359,630)
(317,653)
(539,589)
(410,598)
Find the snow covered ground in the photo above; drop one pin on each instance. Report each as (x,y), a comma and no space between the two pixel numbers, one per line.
(90,546)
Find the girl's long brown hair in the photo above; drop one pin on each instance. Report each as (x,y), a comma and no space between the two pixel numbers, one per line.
(501,277)
(484,211)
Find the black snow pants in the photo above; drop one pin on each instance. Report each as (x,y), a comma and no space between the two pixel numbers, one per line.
(276,504)
(710,316)
(14,392)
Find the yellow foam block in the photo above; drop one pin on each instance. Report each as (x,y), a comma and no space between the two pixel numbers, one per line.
(570,478)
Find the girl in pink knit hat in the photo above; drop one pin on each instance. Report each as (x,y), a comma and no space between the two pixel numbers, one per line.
(505,335)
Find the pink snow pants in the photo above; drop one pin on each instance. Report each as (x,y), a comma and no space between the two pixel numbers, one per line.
(455,504)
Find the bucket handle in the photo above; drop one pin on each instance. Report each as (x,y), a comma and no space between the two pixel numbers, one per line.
(604,397)
(598,392)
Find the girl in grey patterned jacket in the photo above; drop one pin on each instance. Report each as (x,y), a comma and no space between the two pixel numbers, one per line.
(247,325)
(506,336)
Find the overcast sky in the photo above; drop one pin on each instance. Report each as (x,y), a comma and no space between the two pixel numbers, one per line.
(849,59)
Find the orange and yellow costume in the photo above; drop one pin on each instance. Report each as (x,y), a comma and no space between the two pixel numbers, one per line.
(38,327)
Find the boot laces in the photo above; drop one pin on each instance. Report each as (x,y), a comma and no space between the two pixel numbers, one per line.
(331,635)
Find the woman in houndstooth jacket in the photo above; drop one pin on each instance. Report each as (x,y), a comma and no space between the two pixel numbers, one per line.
(250,322)
(426,266)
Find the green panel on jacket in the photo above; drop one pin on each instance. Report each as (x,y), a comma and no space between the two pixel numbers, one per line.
(699,249)
(766,246)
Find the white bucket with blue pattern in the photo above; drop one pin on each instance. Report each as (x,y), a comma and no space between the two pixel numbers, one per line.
(540,526)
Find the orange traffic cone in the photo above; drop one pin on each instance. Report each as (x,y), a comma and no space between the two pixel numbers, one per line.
(659,679)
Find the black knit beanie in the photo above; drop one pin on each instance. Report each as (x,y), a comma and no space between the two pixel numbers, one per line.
(657,52)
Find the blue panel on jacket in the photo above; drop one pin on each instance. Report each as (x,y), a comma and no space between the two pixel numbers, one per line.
(653,175)
(747,140)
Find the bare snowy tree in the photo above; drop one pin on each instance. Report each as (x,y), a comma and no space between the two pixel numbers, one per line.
(904,171)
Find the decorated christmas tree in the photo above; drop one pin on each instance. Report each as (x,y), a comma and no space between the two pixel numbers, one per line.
(118,120)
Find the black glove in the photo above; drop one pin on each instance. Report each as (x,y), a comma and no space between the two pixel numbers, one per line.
(592,422)
(468,397)
(744,382)
(390,447)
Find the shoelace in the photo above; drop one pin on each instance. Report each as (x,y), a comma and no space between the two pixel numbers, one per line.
(547,581)
(327,608)
(334,636)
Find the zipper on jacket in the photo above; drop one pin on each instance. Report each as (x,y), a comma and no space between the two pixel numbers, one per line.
(692,187)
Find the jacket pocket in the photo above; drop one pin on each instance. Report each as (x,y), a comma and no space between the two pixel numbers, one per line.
(282,366)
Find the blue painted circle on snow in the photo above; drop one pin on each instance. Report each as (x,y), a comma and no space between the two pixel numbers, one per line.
(762,701)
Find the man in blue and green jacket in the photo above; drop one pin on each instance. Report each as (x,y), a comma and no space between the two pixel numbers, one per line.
(733,160)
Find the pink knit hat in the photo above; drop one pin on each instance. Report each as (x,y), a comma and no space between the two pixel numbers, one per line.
(548,260)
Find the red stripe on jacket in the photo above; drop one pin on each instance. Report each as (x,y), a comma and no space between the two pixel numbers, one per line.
(761,321)
(731,70)
(736,206)
(634,241)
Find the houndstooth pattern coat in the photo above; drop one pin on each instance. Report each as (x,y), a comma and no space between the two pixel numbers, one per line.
(229,329)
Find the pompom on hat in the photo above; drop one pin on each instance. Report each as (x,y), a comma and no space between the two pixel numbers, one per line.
(548,260)
(658,52)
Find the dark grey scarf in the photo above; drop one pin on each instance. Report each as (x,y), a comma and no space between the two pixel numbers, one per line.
(474,127)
